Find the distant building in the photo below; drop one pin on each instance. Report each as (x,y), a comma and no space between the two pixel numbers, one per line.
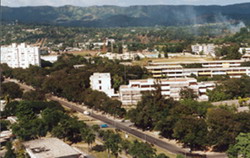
(246,57)
(5,136)
(123,56)
(50,58)
(50,148)
(102,82)
(231,68)
(131,93)
(2,105)
(244,50)
(204,49)
(20,56)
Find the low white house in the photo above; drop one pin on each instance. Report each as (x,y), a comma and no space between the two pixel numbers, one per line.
(102,82)
(50,148)
(244,50)
(50,58)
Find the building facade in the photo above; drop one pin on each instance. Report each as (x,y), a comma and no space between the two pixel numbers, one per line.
(20,56)
(231,68)
(50,148)
(204,49)
(205,64)
(102,82)
(244,50)
(131,94)
(232,72)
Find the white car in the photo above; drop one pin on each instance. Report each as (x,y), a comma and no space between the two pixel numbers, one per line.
(86,113)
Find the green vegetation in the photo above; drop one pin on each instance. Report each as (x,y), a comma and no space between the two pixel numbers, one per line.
(11,90)
(241,148)
(228,52)
(230,89)
(188,121)
(247,63)
(115,16)
(4,125)
(192,65)
(214,78)
(10,151)
(73,84)
(163,39)
(197,125)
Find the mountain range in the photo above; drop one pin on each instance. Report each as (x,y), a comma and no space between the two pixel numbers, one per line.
(115,16)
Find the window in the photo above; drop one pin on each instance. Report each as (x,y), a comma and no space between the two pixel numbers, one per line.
(100,81)
(100,87)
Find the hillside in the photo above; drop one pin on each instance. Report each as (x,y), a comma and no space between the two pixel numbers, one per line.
(115,16)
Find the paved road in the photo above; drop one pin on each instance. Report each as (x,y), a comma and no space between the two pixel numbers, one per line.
(143,136)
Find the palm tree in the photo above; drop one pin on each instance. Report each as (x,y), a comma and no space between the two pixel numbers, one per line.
(90,138)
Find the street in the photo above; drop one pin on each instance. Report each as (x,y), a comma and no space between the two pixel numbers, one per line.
(119,125)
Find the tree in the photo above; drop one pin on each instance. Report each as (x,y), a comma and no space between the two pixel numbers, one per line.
(191,131)
(69,129)
(10,152)
(10,108)
(27,129)
(241,148)
(152,108)
(88,136)
(52,117)
(4,125)
(141,150)
(34,95)
(188,93)
(125,144)
(12,90)
(111,142)
(161,155)
(222,128)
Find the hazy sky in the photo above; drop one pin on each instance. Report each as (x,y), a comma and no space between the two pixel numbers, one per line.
(15,3)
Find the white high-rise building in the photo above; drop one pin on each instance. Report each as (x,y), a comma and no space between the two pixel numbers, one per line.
(20,56)
(102,82)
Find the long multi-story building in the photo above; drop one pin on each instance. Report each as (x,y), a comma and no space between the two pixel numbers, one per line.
(231,68)
(131,94)
(20,56)
(208,64)
(166,72)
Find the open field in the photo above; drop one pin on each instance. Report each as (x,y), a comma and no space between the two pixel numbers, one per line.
(84,53)
(145,61)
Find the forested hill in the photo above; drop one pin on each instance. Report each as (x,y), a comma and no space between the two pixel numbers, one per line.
(115,16)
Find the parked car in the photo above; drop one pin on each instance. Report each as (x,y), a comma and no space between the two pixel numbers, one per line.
(103,125)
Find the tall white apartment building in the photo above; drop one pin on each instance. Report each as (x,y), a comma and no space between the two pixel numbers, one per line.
(102,82)
(20,56)
(131,94)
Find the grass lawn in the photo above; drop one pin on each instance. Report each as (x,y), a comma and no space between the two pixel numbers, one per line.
(145,61)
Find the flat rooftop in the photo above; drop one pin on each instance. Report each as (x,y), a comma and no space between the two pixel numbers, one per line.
(50,148)
(196,62)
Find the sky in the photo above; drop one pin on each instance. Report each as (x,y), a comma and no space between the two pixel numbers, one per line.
(17,3)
